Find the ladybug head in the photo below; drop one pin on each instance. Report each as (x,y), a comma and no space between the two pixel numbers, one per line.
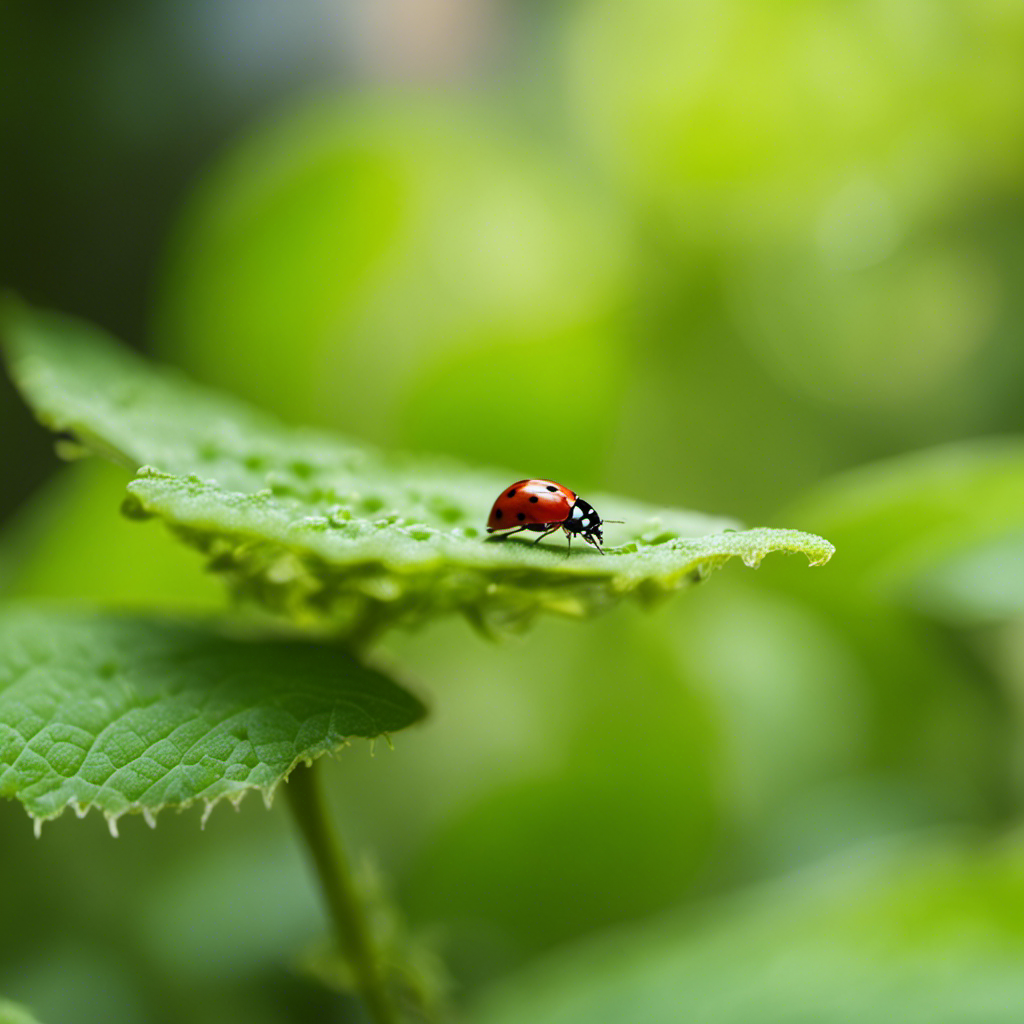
(584,522)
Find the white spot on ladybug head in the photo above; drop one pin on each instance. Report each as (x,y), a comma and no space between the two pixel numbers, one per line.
(577,512)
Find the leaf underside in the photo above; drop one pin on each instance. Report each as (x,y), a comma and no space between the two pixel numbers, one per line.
(323,529)
(132,714)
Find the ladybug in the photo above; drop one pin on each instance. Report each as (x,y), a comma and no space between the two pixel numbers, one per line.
(544,507)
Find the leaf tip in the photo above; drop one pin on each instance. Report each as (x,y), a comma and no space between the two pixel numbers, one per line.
(827,551)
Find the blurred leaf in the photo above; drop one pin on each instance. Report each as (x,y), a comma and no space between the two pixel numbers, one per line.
(423,258)
(64,544)
(133,714)
(11,1013)
(745,121)
(315,526)
(982,585)
(639,757)
(900,332)
(901,519)
(838,719)
(913,935)
(941,713)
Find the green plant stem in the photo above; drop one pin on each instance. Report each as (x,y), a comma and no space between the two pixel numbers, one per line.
(306,799)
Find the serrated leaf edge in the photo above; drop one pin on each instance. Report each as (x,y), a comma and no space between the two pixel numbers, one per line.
(149,814)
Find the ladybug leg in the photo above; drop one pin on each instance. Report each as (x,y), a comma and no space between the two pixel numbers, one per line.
(547,533)
(506,535)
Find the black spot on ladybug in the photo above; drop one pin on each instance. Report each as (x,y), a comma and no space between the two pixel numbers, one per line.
(512,493)
(498,513)
(521,515)
(534,498)
(550,488)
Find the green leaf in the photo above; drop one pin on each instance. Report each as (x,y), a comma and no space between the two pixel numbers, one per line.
(930,527)
(12,1013)
(318,527)
(138,714)
(64,544)
(978,587)
(911,935)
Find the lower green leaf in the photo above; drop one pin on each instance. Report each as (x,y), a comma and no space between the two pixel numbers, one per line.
(133,714)
(912,935)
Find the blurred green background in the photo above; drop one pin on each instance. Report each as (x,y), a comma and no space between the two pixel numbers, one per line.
(757,258)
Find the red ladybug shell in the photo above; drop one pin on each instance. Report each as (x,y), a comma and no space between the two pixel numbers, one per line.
(531,502)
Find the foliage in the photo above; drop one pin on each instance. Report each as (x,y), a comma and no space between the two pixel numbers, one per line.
(910,933)
(719,254)
(129,714)
(133,714)
(328,530)
(904,518)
